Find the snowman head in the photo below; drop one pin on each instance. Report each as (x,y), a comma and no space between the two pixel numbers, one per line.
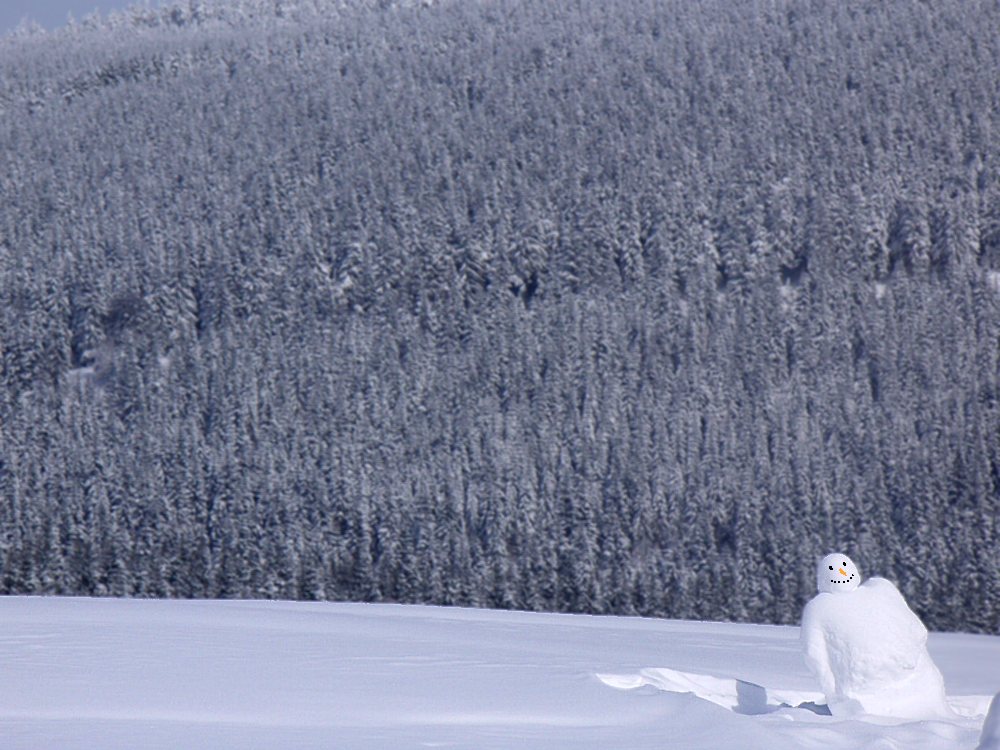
(837,574)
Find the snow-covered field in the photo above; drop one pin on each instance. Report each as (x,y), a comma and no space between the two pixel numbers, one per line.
(140,674)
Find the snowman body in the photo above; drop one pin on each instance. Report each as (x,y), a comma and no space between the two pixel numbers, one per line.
(869,653)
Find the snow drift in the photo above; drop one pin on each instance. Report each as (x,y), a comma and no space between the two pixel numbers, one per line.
(112,673)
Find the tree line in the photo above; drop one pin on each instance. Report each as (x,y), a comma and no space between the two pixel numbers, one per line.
(617,308)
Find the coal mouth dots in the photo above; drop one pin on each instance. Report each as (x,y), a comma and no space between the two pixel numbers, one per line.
(842,580)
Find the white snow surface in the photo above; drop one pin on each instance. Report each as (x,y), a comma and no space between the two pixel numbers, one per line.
(868,651)
(990,739)
(113,673)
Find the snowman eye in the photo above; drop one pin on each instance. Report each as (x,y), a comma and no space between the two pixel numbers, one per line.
(831,567)
(844,563)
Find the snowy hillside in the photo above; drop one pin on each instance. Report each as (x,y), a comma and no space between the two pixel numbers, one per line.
(83,673)
(618,308)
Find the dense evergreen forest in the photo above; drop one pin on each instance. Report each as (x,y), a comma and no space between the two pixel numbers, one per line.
(633,307)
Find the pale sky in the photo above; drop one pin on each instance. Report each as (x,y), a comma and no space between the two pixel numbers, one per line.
(52,13)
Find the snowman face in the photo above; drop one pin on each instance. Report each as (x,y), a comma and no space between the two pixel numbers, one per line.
(837,574)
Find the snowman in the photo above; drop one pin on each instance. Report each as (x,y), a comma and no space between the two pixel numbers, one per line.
(867,648)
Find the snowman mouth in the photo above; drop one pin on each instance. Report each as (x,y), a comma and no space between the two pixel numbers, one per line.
(843,580)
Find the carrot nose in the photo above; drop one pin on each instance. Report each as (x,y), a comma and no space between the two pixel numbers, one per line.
(842,572)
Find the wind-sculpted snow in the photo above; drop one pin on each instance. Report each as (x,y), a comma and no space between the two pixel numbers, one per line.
(990,739)
(737,695)
(117,674)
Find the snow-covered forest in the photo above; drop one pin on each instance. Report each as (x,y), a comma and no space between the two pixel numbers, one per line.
(630,307)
